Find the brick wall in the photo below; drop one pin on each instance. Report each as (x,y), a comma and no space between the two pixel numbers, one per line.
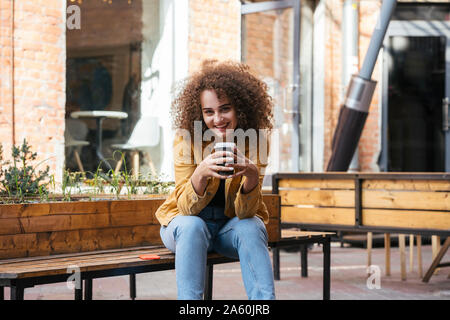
(332,67)
(39,77)
(5,76)
(214,31)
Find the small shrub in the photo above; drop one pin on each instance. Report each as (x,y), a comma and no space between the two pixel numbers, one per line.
(20,179)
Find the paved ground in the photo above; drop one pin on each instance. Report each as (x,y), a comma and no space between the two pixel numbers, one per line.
(348,280)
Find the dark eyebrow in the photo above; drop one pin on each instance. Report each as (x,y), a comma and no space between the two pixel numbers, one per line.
(223,105)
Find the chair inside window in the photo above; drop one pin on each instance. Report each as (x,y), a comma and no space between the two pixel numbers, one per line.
(75,135)
(146,134)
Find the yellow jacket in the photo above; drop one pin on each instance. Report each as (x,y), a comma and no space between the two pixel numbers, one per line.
(185,201)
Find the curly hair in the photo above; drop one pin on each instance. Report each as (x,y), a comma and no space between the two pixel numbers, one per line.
(245,91)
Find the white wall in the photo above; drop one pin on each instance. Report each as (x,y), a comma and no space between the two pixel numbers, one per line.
(164,62)
(318,87)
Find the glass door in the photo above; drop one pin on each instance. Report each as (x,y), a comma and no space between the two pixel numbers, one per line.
(270,46)
(416,136)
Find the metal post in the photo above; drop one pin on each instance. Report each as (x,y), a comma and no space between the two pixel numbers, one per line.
(209,282)
(133,286)
(304,260)
(355,109)
(88,289)
(295,138)
(276,263)
(350,60)
(17,292)
(326,269)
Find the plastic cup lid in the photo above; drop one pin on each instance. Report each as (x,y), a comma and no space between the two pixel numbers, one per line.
(224,145)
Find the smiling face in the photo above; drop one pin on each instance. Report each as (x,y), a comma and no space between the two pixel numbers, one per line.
(219,115)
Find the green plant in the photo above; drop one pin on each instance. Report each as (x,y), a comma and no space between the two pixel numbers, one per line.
(155,185)
(20,179)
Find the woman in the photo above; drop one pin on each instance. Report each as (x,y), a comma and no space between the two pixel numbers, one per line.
(209,211)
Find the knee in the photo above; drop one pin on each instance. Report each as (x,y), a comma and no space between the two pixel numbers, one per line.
(191,228)
(251,229)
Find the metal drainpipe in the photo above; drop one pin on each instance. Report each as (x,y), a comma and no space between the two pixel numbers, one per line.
(13,116)
(355,109)
(350,34)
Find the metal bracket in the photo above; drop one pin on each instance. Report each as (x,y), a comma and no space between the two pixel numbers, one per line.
(445,119)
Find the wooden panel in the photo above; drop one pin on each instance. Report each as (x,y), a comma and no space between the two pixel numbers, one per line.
(273,230)
(48,243)
(106,261)
(88,262)
(324,198)
(272,202)
(419,185)
(316,183)
(406,219)
(295,233)
(74,222)
(406,200)
(76,207)
(339,216)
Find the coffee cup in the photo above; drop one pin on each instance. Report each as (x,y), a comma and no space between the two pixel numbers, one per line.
(225,146)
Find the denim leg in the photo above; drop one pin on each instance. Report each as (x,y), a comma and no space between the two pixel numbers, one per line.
(189,238)
(246,239)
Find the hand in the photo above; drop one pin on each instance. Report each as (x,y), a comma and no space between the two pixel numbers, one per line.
(243,166)
(210,167)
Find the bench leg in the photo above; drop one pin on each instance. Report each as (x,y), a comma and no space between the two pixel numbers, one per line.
(387,246)
(133,286)
(88,289)
(304,260)
(207,295)
(17,292)
(402,246)
(276,263)
(326,269)
(78,294)
(437,260)
(419,255)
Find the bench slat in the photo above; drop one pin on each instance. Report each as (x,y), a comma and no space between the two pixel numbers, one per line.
(421,200)
(294,233)
(28,262)
(325,198)
(342,216)
(57,265)
(107,261)
(417,185)
(319,183)
(437,220)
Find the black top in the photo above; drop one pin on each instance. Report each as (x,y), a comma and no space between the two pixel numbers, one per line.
(219,197)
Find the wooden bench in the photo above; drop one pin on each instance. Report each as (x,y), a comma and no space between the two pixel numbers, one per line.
(404,203)
(84,240)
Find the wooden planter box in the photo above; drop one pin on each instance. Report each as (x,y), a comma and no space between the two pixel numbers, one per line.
(39,229)
(402,202)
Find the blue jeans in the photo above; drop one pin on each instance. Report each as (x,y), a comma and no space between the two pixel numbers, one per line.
(191,237)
